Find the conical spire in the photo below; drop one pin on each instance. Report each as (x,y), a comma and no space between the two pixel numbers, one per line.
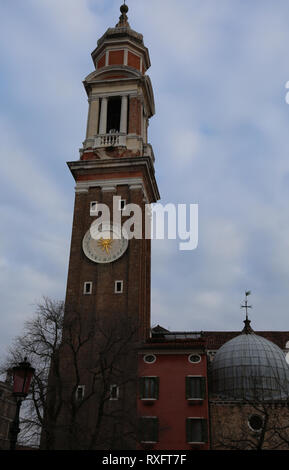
(123,19)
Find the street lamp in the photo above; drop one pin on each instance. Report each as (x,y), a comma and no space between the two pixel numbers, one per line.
(22,375)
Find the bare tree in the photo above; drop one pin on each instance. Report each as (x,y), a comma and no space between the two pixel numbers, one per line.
(39,342)
(233,428)
(100,355)
(253,422)
(70,355)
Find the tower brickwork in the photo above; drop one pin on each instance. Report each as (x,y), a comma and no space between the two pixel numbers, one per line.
(107,307)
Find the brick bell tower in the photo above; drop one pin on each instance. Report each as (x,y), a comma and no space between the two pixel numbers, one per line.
(116,160)
(107,307)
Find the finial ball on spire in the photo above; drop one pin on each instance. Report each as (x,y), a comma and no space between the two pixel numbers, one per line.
(124,8)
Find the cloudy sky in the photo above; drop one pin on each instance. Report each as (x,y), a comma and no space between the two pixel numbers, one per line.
(220,137)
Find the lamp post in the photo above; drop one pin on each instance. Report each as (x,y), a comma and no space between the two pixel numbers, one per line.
(22,375)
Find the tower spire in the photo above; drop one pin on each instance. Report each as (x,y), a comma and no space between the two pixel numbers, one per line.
(247,328)
(123,19)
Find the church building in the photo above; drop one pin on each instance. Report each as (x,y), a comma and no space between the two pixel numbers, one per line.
(117,383)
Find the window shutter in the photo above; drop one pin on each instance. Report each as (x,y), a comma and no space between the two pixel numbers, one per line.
(139,429)
(203,387)
(157,386)
(188,391)
(204,430)
(189,429)
(155,429)
(142,386)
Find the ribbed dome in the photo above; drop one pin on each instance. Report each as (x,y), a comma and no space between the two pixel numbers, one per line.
(250,367)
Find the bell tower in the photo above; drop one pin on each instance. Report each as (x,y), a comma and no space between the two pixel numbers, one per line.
(115,160)
(108,286)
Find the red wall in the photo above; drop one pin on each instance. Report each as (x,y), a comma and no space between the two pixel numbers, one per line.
(172,408)
(116,57)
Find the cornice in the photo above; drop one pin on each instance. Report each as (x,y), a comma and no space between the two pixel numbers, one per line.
(117,165)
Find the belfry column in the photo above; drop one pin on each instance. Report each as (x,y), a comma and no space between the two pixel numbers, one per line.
(103,116)
(92,124)
(123,115)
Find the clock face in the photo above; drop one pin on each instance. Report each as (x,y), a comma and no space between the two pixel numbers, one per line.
(105,246)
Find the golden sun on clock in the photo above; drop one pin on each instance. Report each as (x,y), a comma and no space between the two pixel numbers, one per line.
(105,246)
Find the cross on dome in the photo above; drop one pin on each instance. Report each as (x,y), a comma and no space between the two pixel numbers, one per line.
(247,328)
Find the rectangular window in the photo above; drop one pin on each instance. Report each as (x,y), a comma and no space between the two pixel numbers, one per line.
(79,394)
(149,388)
(113,115)
(118,287)
(195,388)
(148,429)
(87,288)
(196,430)
(114,392)
(93,208)
(122,204)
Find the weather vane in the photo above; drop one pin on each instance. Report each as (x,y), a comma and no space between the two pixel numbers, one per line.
(246,306)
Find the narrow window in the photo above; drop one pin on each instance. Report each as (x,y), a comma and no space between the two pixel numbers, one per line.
(114,392)
(195,388)
(148,429)
(118,287)
(196,430)
(87,288)
(79,394)
(113,115)
(93,208)
(149,388)
(122,204)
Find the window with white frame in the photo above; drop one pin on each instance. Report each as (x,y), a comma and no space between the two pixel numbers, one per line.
(118,287)
(196,430)
(148,429)
(122,204)
(195,387)
(114,392)
(149,388)
(79,394)
(87,288)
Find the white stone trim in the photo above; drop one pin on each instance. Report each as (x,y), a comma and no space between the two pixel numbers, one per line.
(109,185)
(125,56)
(136,186)
(121,287)
(103,115)
(85,284)
(117,392)
(123,115)
(82,388)
(108,188)
(119,92)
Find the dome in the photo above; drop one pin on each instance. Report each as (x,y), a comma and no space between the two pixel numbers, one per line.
(249,367)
